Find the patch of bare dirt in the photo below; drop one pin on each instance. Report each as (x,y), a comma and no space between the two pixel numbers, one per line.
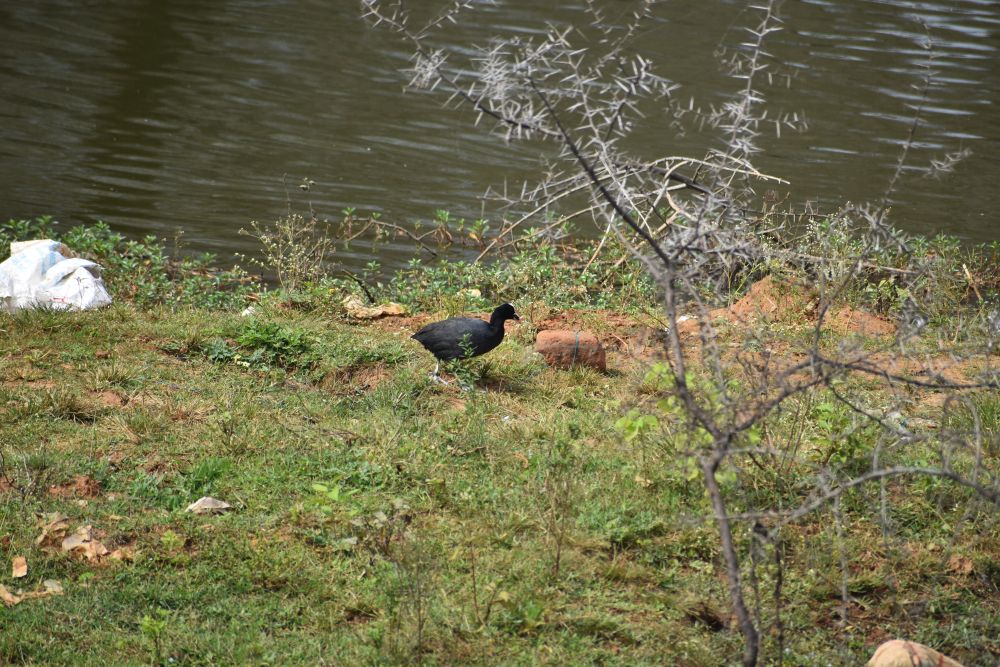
(146,399)
(847,320)
(357,378)
(648,343)
(110,399)
(615,331)
(935,369)
(454,403)
(82,486)
(114,456)
(769,300)
(408,323)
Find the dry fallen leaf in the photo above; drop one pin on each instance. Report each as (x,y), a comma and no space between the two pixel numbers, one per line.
(960,565)
(84,542)
(54,528)
(19,567)
(208,505)
(358,310)
(644,482)
(7,597)
(124,554)
(50,587)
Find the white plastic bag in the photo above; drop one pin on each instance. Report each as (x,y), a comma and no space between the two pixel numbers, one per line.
(38,274)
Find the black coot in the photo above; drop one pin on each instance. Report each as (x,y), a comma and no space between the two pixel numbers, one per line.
(462,337)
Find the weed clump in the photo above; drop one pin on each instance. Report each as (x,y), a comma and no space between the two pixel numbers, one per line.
(296,249)
(264,345)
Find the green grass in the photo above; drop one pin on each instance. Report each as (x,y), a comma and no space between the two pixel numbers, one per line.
(545,517)
(381,519)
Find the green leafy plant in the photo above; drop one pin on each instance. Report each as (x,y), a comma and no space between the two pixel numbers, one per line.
(330,497)
(153,628)
(264,345)
(634,424)
(526,616)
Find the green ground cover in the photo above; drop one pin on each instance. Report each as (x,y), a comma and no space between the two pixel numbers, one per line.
(379,518)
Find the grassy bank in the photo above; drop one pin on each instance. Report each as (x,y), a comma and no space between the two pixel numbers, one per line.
(541,518)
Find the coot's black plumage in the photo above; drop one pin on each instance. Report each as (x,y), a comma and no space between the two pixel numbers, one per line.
(462,337)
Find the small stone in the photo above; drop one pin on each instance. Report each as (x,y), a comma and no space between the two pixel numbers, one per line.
(358,310)
(208,505)
(565,349)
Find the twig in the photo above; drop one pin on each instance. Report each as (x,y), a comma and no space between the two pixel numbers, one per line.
(361,284)
(972,283)
(373,222)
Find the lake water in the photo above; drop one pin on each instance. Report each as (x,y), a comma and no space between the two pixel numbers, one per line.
(157,116)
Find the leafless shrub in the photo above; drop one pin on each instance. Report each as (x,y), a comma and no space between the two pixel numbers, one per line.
(558,487)
(417,589)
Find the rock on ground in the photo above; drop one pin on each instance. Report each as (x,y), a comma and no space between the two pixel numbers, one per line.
(208,505)
(565,349)
(902,653)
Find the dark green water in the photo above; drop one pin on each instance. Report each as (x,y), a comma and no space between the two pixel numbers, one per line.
(158,116)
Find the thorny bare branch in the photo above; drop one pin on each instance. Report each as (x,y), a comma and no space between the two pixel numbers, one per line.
(700,240)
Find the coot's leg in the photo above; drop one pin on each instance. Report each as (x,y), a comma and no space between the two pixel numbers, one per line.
(435,377)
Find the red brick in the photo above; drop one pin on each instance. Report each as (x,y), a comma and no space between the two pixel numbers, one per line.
(564,349)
